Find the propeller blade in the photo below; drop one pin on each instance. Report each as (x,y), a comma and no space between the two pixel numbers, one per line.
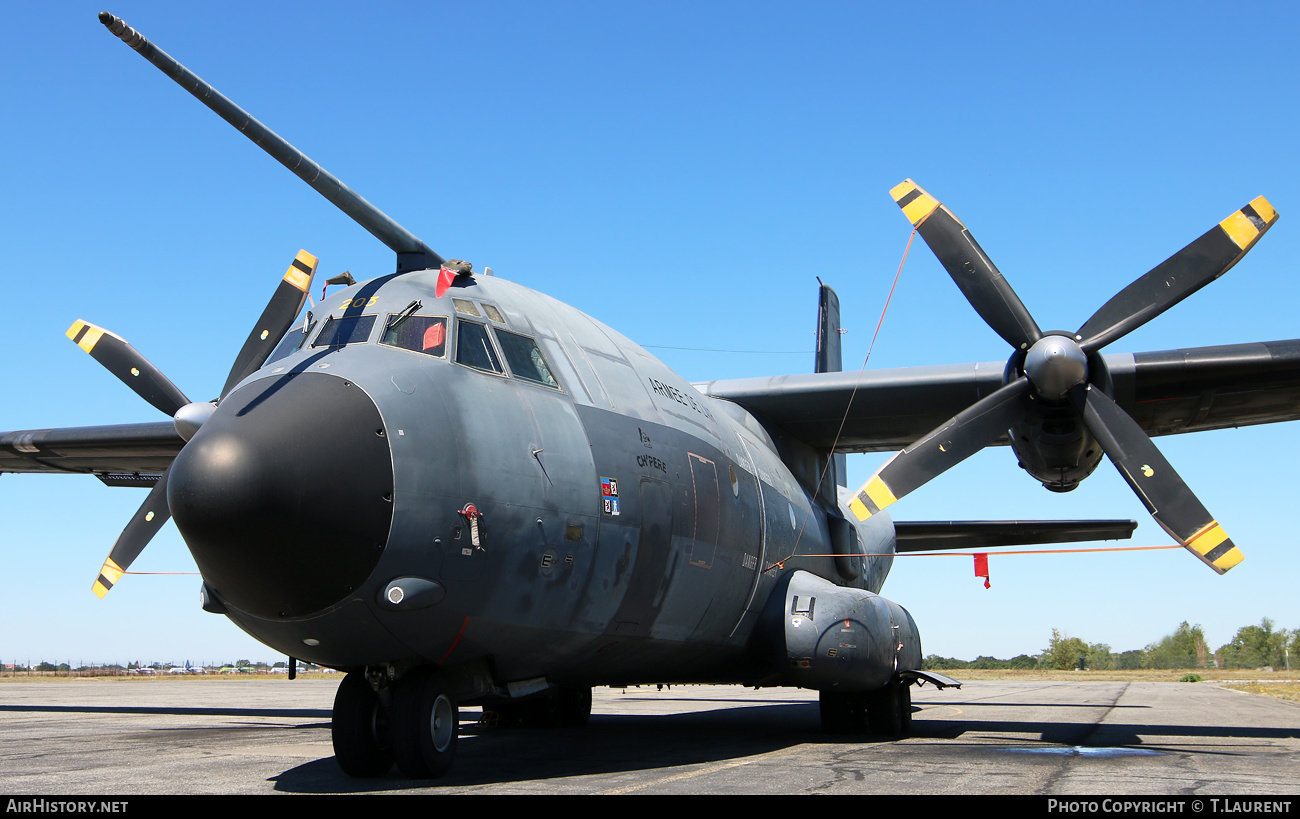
(281,310)
(1155,482)
(970,267)
(1179,276)
(131,368)
(963,435)
(146,522)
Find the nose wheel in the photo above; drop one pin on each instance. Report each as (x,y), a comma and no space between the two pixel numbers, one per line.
(423,725)
(360,729)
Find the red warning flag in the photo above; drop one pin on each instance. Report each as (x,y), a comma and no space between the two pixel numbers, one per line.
(982,567)
(445,278)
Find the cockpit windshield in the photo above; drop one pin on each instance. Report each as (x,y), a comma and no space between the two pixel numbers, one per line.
(423,334)
(341,331)
(292,340)
(525,359)
(474,348)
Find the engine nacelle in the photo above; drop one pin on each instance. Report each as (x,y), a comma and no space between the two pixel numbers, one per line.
(832,638)
(1054,446)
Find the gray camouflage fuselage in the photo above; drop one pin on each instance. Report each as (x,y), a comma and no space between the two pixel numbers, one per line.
(626,520)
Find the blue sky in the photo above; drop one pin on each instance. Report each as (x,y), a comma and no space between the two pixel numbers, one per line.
(682,172)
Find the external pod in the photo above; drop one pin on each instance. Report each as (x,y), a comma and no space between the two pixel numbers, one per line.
(834,638)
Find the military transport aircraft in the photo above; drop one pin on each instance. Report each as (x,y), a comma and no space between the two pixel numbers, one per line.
(501,500)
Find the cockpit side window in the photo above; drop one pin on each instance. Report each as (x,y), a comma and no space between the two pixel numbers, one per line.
(525,359)
(474,348)
(466,307)
(423,334)
(341,331)
(289,345)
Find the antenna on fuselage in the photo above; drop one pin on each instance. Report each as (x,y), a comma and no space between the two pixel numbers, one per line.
(412,254)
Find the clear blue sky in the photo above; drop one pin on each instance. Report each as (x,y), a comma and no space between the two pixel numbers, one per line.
(681,171)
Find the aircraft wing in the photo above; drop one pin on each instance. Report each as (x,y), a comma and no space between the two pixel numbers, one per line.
(1167,392)
(940,535)
(121,449)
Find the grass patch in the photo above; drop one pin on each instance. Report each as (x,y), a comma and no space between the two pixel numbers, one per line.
(1281,690)
(1236,675)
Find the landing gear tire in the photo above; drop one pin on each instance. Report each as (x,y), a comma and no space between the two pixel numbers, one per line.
(359,729)
(574,706)
(905,704)
(423,725)
(889,710)
(843,713)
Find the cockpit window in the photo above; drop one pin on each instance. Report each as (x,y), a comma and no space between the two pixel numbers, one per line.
(423,334)
(474,348)
(466,306)
(525,359)
(292,340)
(493,313)
(344,330)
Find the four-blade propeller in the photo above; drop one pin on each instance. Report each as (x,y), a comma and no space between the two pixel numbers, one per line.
(1062,372)
(125,362)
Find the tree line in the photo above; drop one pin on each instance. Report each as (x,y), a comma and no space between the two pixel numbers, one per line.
(1255,646)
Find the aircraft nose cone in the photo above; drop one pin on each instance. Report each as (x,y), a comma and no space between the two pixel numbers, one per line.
(284,495)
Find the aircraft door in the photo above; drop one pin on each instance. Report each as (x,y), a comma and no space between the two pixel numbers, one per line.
(651,571)
(704,478)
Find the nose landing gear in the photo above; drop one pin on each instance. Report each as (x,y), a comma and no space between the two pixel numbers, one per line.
(418,730)
(360,729)
(423,725)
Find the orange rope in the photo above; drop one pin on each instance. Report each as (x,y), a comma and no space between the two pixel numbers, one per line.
(1037,551)
(781,564)
(844,418)
(901,262)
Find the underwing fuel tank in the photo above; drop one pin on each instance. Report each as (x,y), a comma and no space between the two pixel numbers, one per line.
(834,638)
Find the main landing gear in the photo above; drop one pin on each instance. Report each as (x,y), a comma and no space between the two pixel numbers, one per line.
(562,707)
(415,724)
(418,730)
(886,712)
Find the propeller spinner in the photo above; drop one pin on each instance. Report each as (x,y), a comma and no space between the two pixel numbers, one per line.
(1055,395)
(125,362)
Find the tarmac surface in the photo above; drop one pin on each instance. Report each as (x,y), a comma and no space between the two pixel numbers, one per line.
(219,736)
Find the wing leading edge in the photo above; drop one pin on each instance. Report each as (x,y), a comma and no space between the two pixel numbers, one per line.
(1165,392)
(121,449)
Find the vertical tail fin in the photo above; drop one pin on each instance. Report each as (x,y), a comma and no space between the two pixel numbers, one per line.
(828,331)
(829,358)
